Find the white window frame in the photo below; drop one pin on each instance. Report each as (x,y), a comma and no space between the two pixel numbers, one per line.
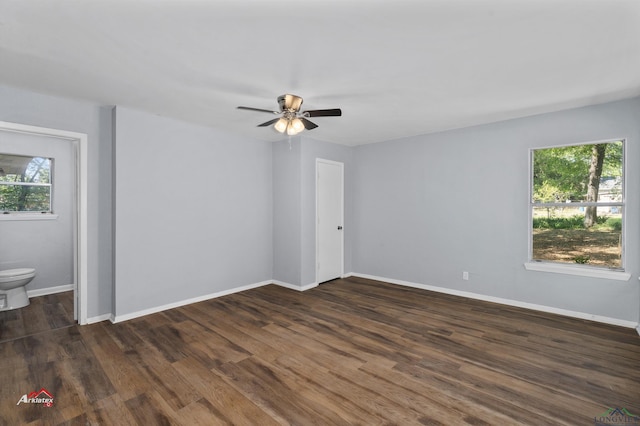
(570,269)
(33,215)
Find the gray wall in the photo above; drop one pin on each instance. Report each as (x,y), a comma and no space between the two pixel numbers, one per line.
(24,107)
(287,266)
(193,212)
(429,207)
(46,245)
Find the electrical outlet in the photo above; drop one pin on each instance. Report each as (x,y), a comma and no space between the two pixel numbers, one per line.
(465,275)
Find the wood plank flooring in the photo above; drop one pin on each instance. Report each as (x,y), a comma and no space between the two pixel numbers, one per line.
(44,313)
(353,351)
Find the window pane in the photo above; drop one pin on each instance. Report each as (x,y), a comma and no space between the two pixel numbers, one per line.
(20,168)
(25,198)
(578,173)
(560,235)
(25,183)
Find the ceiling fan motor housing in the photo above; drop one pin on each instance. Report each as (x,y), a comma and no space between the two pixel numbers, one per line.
(289,103)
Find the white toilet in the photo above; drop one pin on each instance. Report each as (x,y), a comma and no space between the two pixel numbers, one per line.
(13,294)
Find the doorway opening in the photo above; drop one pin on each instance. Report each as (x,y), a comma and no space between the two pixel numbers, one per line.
(79,144)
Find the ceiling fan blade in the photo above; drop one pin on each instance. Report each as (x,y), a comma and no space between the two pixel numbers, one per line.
(258,109)
(308,124)
(334,112)
(268,123)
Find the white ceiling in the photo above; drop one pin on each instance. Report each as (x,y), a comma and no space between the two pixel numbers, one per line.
(396,68)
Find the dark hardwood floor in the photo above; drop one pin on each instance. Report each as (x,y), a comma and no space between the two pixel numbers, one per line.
(353,351)
(43,314)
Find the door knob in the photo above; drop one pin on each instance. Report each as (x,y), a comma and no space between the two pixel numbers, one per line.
(339,228)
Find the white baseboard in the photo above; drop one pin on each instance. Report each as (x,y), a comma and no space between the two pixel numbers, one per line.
(125,317)
(295,287)
(509,302)
(99,318)
(50,290)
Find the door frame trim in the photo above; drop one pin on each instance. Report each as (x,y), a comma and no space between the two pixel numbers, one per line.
(317,245)
(80,144)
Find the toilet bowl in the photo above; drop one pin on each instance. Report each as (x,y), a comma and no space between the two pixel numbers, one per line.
(13,294)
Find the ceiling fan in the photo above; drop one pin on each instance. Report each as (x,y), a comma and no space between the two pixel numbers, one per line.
(291,119)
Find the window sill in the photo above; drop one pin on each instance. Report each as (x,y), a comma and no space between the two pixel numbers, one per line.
(27,216)
(575,270)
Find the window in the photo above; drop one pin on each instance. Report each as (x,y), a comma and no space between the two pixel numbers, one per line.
(577,205)
(25,184)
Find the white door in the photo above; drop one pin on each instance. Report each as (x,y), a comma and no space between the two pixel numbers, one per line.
(329,232)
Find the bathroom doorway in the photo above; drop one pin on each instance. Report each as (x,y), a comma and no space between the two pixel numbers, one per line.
(78,142)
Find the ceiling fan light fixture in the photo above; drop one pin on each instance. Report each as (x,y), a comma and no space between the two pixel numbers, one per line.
(297,125)
(281,125)
(291,131)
